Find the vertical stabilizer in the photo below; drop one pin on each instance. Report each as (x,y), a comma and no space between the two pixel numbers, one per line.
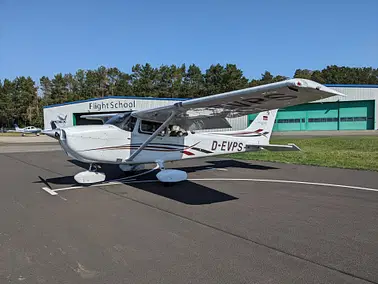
(263,123)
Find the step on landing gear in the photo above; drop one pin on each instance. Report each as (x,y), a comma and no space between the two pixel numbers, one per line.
(90,176)
(170,176)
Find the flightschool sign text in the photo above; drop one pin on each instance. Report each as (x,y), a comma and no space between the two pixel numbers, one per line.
(99,106)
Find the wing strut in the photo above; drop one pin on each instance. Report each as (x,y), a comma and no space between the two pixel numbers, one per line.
(141,147)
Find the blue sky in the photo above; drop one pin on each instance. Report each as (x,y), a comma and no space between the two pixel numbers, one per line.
(47,37)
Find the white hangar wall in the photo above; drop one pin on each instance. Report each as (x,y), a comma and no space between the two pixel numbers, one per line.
(67,114)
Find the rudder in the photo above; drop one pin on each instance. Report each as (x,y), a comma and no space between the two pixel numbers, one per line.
(263,123)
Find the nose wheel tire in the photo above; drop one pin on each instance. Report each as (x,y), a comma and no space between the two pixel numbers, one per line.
(90,176)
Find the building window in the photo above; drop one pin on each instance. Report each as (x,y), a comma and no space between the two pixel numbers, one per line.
(323,119)
(291,120)
(359,118)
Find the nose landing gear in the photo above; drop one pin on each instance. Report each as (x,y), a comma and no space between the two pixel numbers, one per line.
(90,176)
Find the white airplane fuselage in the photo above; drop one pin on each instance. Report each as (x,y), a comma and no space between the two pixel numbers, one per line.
(112,145)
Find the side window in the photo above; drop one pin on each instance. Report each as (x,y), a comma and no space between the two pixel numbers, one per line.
(149,127)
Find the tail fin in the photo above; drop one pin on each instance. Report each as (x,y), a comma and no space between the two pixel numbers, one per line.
(263,123)
(16,126)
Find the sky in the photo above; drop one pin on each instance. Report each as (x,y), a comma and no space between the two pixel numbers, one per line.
(43,37)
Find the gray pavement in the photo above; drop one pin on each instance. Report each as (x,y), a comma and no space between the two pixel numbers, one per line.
(27,139)
(195,232)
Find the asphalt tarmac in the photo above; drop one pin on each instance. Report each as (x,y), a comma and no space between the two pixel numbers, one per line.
(219,227)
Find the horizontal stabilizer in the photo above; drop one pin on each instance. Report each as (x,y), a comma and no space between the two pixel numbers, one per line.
(272,147)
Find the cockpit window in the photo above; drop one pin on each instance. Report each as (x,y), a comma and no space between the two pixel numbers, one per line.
(124,121)
(118,119)
(129,124)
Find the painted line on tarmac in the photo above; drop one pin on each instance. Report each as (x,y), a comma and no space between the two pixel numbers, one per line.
(49,191)
(111,182)
(287,181)
(130,181)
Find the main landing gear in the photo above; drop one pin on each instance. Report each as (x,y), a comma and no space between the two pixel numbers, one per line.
(90,176)
(166,176)
(170,176)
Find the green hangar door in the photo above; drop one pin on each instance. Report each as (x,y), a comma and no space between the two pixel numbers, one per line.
(353,115)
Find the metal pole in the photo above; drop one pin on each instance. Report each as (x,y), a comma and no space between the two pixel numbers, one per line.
(338,114)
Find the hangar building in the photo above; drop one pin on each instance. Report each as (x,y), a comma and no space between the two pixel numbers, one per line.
(357,111)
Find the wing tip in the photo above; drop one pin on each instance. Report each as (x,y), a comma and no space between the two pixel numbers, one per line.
(300,82)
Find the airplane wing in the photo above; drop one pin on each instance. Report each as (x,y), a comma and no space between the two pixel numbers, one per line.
(238,103)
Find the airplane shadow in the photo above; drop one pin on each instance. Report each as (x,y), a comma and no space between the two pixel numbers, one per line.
(186,192)
(224,164)
(217,164)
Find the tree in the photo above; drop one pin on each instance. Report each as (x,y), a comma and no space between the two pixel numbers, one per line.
(123,85)
(144,80)
(82,88)
(102,80)
(193,83)
(24,100)
(346,75)
(59,89)
(178,75)
(6,104)
(267,78)
(317,76)
(113,75)
(46,87)
(72,87)
(303,73)
(233,79)
(164,81)
(214,79)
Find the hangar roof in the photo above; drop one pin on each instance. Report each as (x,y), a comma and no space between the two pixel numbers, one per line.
(116,97)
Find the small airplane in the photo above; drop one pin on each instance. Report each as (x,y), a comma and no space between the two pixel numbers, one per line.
(27,130)
(163,134)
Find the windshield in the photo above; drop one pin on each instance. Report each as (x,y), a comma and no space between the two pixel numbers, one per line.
(119,120)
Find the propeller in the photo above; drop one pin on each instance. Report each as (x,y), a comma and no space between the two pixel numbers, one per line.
(58,134)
